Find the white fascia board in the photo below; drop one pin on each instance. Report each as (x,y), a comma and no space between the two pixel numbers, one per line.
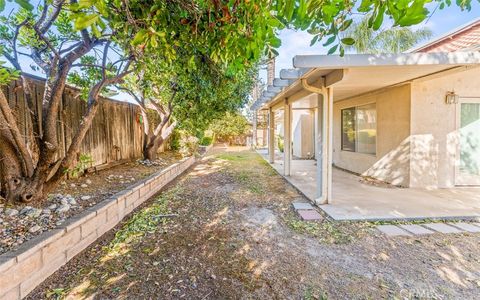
(370,60)
(274,89)
(293,73)
(282,82)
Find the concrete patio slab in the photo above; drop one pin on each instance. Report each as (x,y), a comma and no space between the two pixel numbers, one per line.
(354,200)
(442,228)
(309,215)
(302,205)
(416,229)
(392,230)
(466,227)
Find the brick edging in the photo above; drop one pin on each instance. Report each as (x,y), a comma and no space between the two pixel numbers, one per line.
(35,260)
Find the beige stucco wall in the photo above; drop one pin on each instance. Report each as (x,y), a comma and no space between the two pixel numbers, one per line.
(302,131)
(433,127)
(391,162)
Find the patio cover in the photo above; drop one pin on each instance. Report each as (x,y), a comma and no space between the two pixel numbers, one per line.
(337,78)
(356,74)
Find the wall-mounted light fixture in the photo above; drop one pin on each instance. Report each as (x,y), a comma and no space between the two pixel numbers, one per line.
(451,98)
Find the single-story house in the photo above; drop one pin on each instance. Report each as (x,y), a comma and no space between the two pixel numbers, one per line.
(408,120)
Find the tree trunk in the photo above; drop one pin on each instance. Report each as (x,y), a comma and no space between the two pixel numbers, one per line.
(153,141)
(71,154)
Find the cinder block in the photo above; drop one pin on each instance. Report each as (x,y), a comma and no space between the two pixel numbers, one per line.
(122,195)
(158,183)
(121,204)
(12,294)
(18,272)
(80,246)
(105,205)
(128,210)
(144,190)
(59,246)
(38,277)
(91,225)
(107,226)
(113,212)
(137,186)
(77,220)
(7,260)
(131,198)
(37,243)
(150,179)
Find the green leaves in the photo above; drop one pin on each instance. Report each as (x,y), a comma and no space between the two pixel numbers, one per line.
(332,50)
(414,14)
(23,4)
(139,37)
(330,40)
(7,75)
(82,21)
(348,41)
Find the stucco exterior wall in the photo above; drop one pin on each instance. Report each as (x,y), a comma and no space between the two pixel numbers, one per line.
(302,131)
(433,127)
(391,162)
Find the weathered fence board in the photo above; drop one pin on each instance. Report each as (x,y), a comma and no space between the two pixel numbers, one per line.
(115,134)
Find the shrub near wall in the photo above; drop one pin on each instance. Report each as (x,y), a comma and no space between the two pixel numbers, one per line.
(25,268)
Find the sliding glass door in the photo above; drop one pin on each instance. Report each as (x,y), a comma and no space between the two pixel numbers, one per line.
(468,155)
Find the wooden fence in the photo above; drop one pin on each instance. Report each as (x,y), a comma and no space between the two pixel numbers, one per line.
(115,135)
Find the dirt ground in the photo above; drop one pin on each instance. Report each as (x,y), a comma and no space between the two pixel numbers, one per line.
(226,230)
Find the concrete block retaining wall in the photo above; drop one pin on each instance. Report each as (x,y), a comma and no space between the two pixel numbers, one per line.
(25,268)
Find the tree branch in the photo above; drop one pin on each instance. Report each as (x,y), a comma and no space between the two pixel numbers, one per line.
(140,102)
(47,42)
(57,5)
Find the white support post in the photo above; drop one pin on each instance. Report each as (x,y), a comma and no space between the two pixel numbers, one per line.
(254,131)
(329,178)
(287,153)
(271,136)
(324,133)
(319,149)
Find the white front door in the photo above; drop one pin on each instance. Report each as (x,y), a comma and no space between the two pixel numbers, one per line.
(468,155)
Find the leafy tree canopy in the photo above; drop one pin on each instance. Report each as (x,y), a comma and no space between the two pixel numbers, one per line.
(386,40)
(229,125)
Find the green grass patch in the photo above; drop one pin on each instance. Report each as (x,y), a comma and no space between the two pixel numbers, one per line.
(250,181)
(329,231)
(232,156)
